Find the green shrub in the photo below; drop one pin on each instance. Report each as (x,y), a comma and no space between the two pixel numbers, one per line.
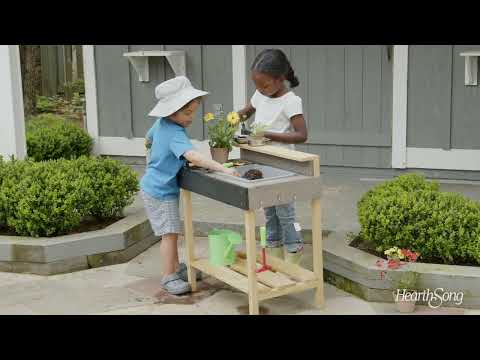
(52,137)
(411,213)
(51,198)
(47,104)
(113,185)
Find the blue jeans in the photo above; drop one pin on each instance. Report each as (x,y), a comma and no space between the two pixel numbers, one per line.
(280,228)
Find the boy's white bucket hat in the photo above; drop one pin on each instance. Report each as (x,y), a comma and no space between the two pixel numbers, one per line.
(173,94)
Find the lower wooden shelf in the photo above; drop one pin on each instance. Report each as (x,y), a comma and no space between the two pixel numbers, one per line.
(284,278)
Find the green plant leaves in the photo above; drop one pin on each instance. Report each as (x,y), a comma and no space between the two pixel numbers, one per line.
(51,137)
(50,198)
(410,212)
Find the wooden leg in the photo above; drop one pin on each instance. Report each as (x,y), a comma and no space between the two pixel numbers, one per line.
(251,262)
(318,251)
(189,238)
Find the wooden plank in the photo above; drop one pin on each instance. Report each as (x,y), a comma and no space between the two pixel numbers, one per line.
(189,237)
(228,276)
(113,91)
(269,278)
(79,54)
(251,262)
(298,287)
(68,70)
(465,122)
(49,69)
(280,152)
(429,96)
(142,94)
(303,168)
(296,272)
(216,59)
(316,167)
(318,251)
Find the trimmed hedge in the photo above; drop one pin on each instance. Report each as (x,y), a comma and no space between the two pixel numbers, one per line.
(411,213)
(51,198)
(51,137)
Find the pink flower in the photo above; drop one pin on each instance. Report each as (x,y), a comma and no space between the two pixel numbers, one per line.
(393,264)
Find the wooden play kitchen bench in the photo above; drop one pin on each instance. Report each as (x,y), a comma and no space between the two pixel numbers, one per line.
(289,176)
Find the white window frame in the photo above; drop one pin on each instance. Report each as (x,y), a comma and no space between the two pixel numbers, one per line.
(12,117)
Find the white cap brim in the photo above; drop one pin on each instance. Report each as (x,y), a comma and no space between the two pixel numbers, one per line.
(169,106)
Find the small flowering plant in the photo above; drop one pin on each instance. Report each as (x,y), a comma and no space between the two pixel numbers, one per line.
(221,130)
(395,257)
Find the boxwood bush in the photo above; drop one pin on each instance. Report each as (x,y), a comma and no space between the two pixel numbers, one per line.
(410,212)
(51,198)
(51,137)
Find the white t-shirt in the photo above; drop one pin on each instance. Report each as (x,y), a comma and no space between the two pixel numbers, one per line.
(276,113)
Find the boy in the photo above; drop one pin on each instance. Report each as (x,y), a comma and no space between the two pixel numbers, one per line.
(170,146)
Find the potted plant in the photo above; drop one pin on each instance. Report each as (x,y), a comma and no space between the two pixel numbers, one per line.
(405,284)
(257,135)
(404,296)
(221,132)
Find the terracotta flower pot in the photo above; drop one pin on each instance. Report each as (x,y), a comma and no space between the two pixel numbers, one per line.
(405,306)
(219,154)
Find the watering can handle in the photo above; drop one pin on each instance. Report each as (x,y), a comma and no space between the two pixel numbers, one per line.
(231,242)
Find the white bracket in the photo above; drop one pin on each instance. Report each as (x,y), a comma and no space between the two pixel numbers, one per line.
(471,67)
(139,61)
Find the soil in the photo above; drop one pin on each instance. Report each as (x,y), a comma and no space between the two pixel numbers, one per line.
(253,174)
(88,224)
(363,245)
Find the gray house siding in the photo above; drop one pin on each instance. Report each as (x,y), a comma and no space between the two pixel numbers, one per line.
(347,97)
(124,101)
(442,111)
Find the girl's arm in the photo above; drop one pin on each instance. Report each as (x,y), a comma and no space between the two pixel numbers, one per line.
(246,112)
(298,136)
(199,160)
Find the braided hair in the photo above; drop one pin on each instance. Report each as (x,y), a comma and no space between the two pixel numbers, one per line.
(274,62)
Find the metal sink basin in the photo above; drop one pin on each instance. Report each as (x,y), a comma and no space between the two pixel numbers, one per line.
(269,172)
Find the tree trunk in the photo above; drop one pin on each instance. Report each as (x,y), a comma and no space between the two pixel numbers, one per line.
(31,76)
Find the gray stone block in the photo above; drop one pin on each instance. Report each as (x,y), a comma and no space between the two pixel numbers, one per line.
(119,257)
(56,267)
(354,271)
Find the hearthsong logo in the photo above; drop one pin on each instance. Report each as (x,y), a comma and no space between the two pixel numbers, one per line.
(435,298)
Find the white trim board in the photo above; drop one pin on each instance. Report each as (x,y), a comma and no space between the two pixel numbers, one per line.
(12,117)
(120,146)
(239,73)
(91,94)
(399,107)
(455,159)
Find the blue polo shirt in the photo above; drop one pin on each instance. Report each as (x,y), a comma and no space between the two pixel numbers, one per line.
(169,143)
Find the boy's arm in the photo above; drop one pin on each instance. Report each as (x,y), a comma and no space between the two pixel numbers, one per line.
(298,136)
(149,136)
(199,160)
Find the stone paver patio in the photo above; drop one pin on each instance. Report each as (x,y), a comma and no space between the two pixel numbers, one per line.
(133,288)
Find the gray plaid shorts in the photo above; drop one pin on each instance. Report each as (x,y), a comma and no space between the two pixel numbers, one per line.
(164,215)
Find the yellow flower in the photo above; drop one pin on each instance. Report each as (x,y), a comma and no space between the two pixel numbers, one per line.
(208,117)
(233,118)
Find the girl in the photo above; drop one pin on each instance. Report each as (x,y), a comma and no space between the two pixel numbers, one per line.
(280,110)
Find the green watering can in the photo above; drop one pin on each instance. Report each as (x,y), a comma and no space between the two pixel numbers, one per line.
(221,246)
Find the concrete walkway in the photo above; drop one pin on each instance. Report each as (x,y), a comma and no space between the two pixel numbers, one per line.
(134,288)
